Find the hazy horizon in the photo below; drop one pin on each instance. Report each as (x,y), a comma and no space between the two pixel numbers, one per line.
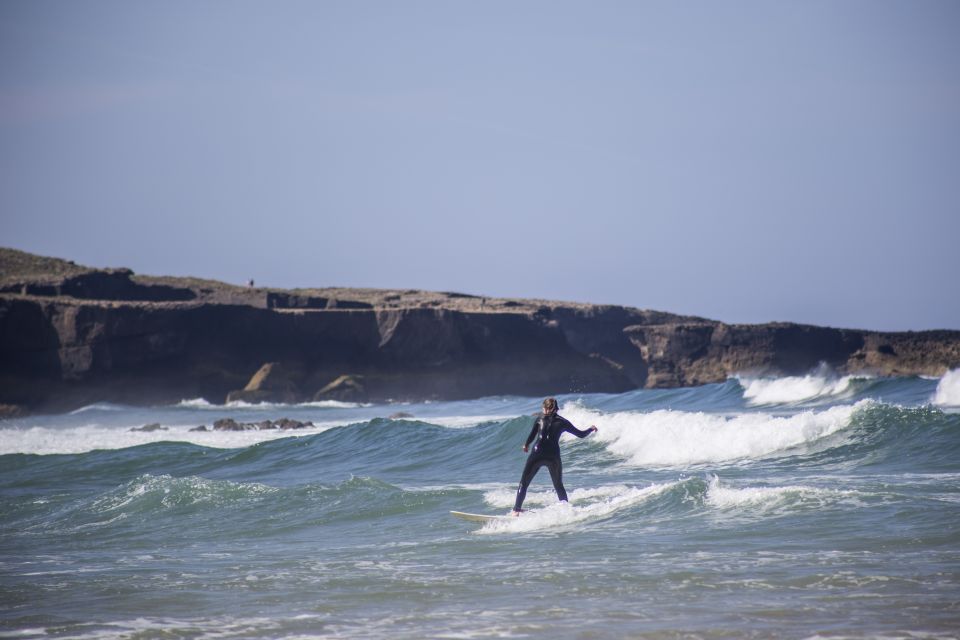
(745,162)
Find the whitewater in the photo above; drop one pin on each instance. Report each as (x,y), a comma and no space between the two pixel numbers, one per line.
(816,506)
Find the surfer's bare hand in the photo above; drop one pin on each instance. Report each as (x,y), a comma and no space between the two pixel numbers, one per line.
(593,428)
(524,448)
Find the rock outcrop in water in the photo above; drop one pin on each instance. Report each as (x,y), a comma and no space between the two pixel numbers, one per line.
(71,335)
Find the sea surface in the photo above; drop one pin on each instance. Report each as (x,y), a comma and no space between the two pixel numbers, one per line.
(809,507)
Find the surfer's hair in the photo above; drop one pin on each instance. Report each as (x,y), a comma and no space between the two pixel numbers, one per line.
(550,405)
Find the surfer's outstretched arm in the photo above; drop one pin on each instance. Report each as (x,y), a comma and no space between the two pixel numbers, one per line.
(569,428)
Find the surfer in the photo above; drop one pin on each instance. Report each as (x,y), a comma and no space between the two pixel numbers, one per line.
(547,430)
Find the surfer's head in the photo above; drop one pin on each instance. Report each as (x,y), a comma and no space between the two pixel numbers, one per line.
(550,405)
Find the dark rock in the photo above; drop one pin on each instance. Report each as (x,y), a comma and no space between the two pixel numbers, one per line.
(150,427)
(293,301)
(229,424)
(11,411)
(287,423)
(202,427)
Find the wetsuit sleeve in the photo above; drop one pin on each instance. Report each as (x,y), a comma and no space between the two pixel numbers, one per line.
(569,428)
(533,434)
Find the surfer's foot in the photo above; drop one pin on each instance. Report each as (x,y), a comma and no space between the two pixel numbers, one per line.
(515,513)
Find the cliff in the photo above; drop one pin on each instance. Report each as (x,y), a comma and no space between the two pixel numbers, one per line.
(72,335)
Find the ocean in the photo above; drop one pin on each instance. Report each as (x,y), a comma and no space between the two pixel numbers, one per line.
(817,506)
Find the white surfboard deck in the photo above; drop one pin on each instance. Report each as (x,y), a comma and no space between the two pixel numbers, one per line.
(478,517)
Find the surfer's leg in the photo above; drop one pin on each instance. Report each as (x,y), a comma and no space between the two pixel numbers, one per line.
(529,470)
(556,474)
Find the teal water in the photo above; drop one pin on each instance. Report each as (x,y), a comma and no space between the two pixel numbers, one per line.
(800,507)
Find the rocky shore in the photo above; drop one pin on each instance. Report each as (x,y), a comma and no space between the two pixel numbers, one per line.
(72,335)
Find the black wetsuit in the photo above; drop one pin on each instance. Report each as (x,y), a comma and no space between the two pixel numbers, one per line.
(546,453)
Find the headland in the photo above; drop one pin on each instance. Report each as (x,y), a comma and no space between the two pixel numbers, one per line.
(72,335)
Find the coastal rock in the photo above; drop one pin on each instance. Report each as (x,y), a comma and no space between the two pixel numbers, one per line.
(907,353)
(288,423)
(273,382)
(345,388)
(684,354)
(149,428)
(229,424)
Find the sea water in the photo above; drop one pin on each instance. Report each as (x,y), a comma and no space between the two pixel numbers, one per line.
(809,507)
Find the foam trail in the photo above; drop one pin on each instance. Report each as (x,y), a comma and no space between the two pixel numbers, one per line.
(793,389)
(585,504)
(667,438)
(948,390)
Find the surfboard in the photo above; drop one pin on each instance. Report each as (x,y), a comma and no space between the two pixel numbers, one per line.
(478,517)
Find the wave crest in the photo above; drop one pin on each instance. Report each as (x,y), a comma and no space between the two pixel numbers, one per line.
(795,389)
(948,390)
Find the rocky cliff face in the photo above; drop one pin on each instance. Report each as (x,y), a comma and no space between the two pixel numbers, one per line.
(71,335)
(680,353)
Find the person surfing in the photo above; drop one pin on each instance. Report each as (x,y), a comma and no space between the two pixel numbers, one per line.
(547,429)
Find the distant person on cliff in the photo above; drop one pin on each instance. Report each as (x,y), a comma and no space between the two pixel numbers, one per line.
(547,430)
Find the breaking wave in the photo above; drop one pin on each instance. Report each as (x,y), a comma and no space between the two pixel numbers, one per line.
(796,389)
(948,390)
(667,438)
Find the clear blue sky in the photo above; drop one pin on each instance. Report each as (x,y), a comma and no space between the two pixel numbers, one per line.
(744,161)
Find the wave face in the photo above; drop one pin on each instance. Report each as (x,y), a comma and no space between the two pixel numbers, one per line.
(756,507)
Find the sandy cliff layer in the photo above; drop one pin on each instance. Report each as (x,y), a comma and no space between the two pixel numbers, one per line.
(71,335)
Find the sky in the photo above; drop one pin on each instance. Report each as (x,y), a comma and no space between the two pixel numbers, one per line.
(742,161)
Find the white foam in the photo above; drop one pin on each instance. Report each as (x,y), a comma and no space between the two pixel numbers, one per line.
(322,404)
(203,403)
(156,627)
(768,498)
(585,504)
(81,439)
(948,390)
(793,389)
(196,403)
(667,438)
